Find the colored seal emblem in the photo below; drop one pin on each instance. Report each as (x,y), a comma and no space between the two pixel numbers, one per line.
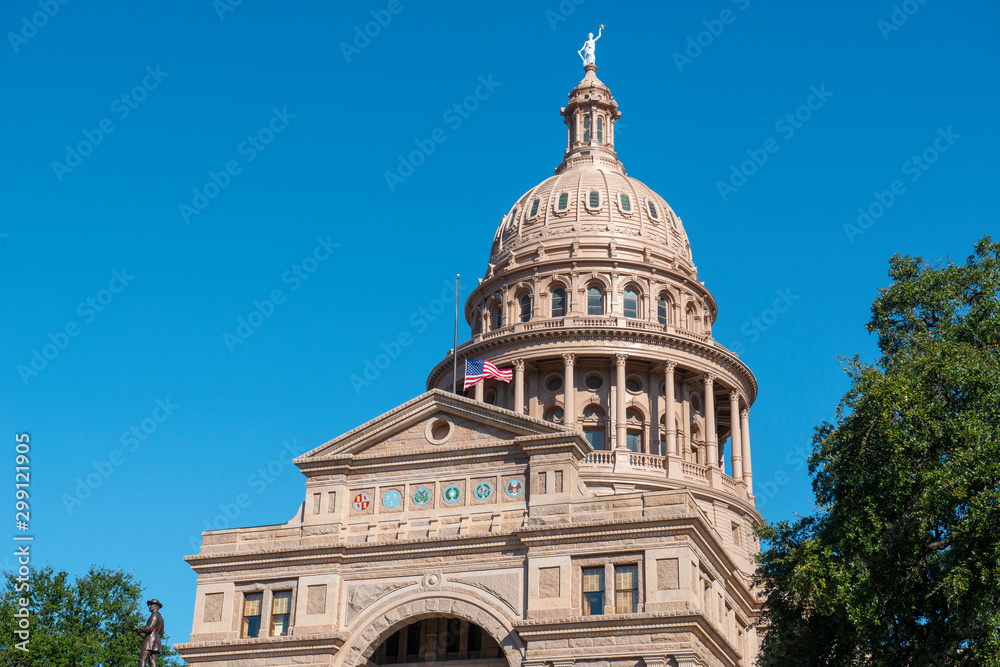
(391,499)
(421,496)
(361,502)
(514,488)
(483,491)
(452,494)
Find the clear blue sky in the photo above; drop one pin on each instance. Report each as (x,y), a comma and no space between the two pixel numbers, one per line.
(333,125)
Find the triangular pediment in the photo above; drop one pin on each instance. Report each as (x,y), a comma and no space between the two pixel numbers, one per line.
(435,422)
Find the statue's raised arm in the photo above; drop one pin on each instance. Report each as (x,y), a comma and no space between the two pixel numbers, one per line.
(587,52)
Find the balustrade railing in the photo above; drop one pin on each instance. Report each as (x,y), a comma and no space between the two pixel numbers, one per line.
(694,471)
(648,461)
(600,458)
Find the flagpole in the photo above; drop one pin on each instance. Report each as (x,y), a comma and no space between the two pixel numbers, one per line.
(454,365)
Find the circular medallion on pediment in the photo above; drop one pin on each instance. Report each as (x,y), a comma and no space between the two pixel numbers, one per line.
(421,496)
(452,494)
(361,502)
(483,491)
(391,499)
(514,488)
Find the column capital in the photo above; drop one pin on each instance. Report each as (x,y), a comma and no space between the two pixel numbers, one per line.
(745,412)
(620,359)
(669,366)
(519,365)
(709,379)
(568,358)
(734,395)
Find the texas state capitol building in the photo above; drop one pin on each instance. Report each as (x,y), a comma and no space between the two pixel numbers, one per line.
(581,516)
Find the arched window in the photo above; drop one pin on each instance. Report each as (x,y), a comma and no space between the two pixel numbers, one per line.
(633,436)
(595,300)
(689,320)
(497,317)
(525,305)
(559,302)
(600,130)
(554,415)
(631,303)
(477,322)
(586,129)
(663,435)
(593,426)
(652,211)
(662,310)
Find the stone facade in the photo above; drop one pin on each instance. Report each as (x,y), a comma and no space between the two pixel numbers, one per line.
(580,516)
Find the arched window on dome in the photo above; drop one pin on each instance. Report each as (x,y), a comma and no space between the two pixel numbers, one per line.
(600,130)
(524,305)
(630,303)
(497,316)
(689,318)
(534,208)
(663,309)
(594,425)
(558,302)
(595,300)
(633,436)
(653,213)
(586,129)
(663,435)
(477,322)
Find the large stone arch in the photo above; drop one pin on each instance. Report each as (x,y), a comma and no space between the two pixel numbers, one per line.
(362,643)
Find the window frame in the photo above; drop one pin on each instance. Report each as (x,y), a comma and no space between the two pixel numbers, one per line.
(244,624)
(609,563)
(591,206)
(552,301)
(288,614)
(638,302)
(602,293)
(523,316)
(561,199)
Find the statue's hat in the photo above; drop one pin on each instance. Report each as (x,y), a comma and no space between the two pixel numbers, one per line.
(154,601)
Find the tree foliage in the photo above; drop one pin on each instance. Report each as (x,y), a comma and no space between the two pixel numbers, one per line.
(86,623)
(900,564)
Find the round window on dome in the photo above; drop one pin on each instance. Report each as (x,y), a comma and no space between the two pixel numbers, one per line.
(594,381)
(633,383)
(553,383)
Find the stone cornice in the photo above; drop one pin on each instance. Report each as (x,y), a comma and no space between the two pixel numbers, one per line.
(642,623)
(260,647)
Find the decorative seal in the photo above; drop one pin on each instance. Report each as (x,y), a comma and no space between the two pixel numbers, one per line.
(421,496)
(483,491)
(391,499)
(514,488)
(452,494)
(361,502)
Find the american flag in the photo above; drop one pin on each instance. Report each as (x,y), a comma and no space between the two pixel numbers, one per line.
(479,369)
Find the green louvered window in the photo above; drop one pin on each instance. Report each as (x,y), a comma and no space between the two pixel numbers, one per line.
(563,202)
(595,199)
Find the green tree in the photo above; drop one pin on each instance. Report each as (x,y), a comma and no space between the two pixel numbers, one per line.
(900,564)
(86,623)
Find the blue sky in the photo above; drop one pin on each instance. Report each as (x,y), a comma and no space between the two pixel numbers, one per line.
(277,138)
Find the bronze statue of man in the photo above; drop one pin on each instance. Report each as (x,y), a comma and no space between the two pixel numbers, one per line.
(153,631)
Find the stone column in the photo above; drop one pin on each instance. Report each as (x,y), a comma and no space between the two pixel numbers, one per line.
(711,446)
(569,391)
(479,390)
(735,437)
(620,422)
(519,386)
(745,431)
(671,422)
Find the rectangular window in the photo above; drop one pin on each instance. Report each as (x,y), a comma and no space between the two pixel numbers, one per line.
(281,613)
(632,440)
(626,203)
(563,201)
(593,591)
(595,437)
(586,129)
(559,303)
(626,589)
(595,199)
(534,208)
(600,130)
(251,614)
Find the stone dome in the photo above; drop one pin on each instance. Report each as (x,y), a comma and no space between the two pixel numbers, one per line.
(561,206)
